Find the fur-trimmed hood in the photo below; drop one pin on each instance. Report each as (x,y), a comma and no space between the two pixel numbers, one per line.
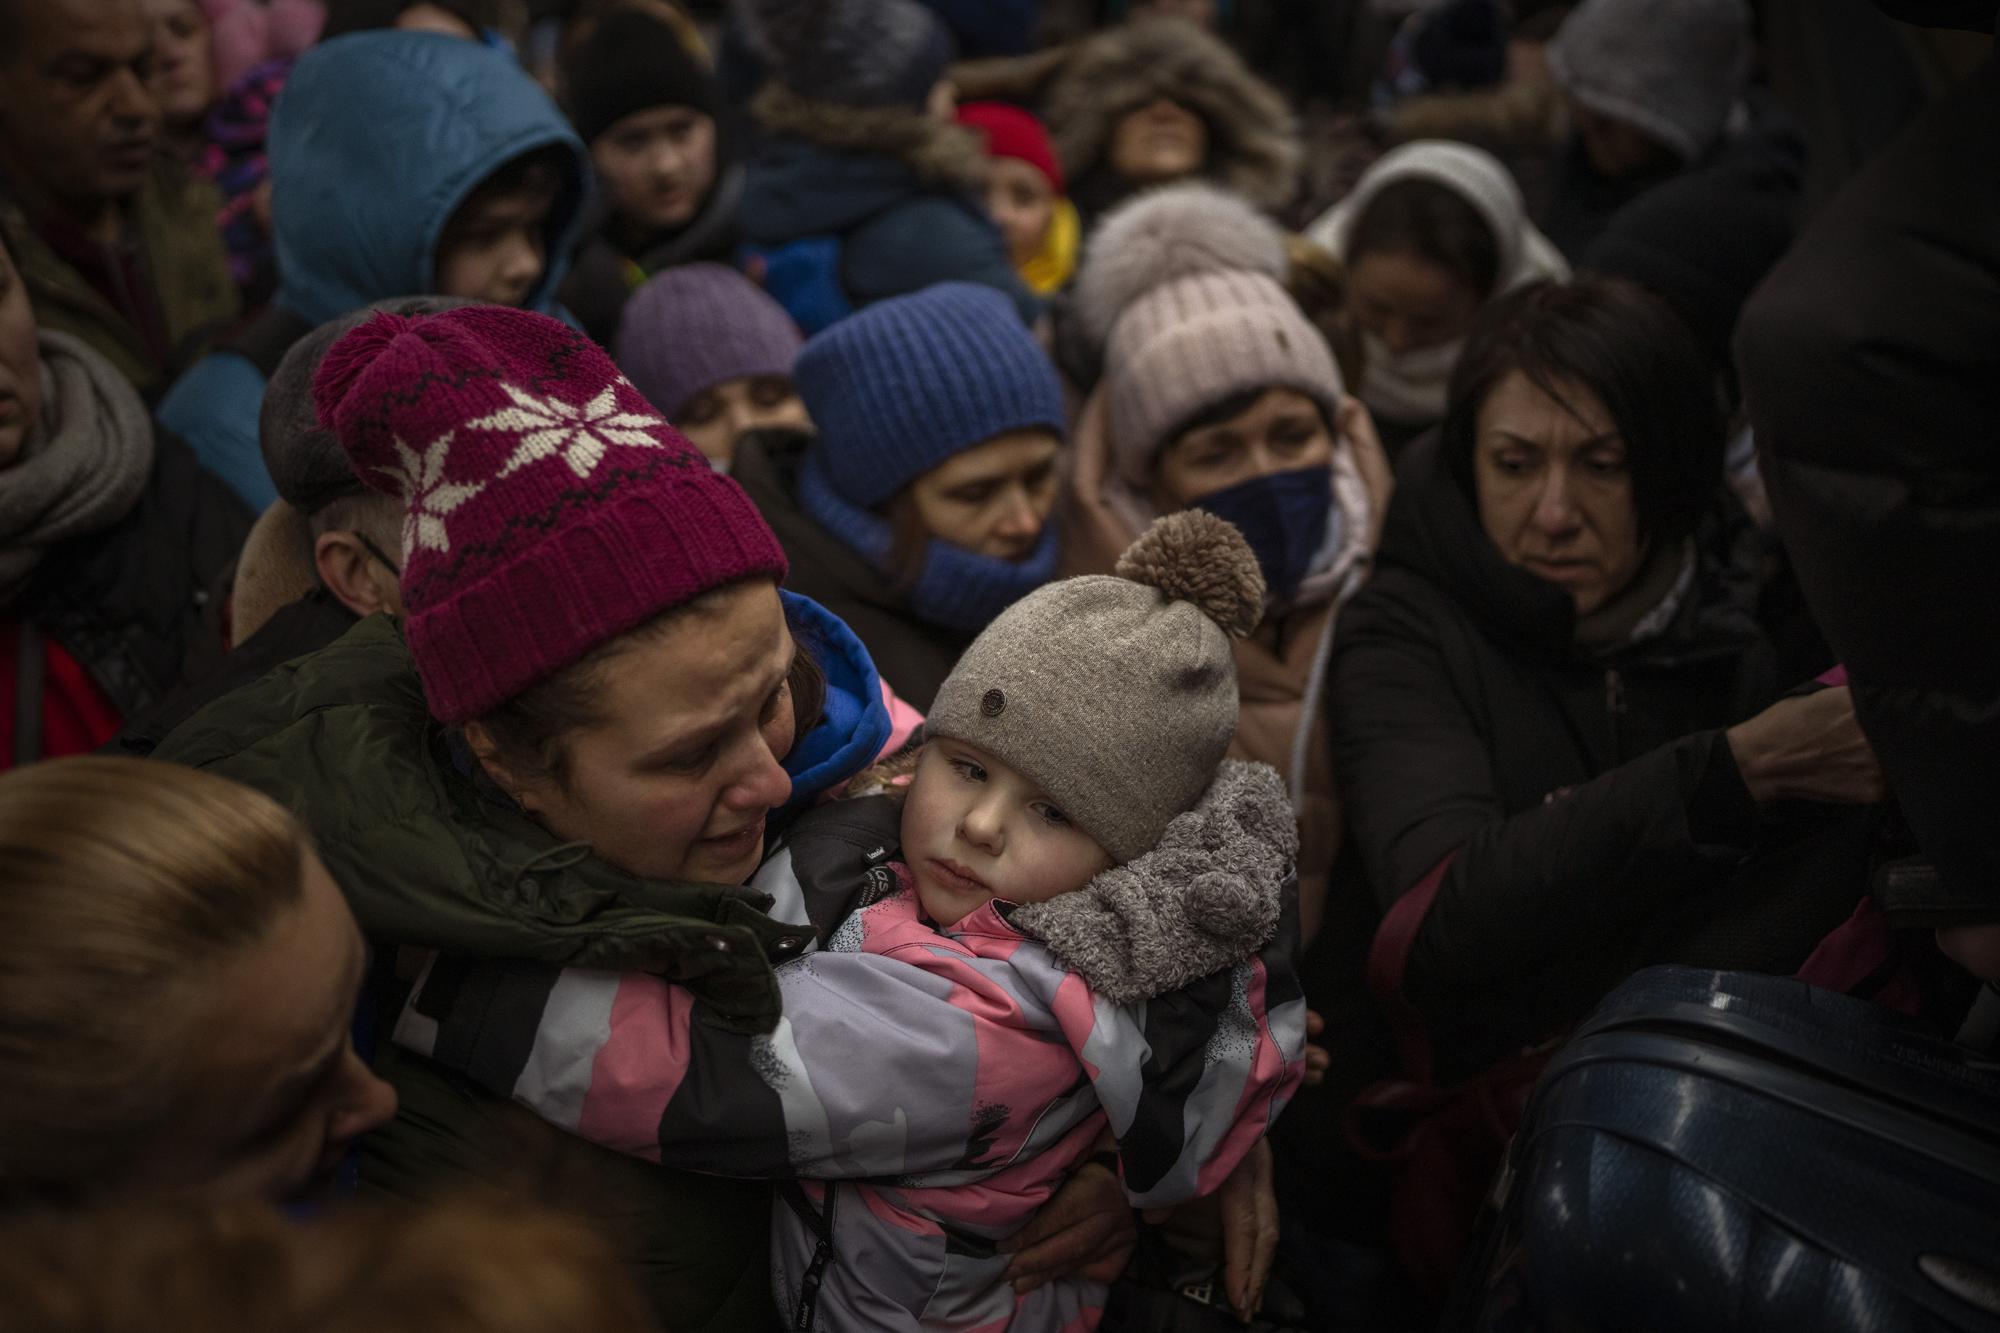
(1207,896)
(1085,88)
(941,155)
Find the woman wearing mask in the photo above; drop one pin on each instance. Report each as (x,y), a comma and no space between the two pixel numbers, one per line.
(921,510)
(1218,394)
(1555,680)
(1431,232)
(178,977)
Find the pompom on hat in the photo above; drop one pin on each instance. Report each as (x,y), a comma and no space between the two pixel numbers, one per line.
(549,509)
(1116,694)
(1173,232)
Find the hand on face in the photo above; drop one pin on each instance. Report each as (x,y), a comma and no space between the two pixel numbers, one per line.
(974,830)
(1555,490)
(76,110)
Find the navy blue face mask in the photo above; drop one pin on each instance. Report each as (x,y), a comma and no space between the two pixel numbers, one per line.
(1284,517)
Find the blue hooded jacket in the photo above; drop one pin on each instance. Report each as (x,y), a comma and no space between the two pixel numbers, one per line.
(375,141)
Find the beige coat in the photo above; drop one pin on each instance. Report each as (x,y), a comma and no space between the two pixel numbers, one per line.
(1281,669)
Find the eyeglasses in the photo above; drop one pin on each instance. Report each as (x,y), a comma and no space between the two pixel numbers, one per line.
(376,551)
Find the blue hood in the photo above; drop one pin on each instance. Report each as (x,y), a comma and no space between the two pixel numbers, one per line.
(376,138)
(855,723)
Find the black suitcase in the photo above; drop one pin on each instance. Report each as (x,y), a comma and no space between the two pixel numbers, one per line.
(1725,1151)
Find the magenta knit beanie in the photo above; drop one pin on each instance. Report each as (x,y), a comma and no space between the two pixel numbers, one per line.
(549,509)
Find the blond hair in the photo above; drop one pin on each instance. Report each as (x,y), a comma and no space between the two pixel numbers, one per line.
(462,1266)
(122,882)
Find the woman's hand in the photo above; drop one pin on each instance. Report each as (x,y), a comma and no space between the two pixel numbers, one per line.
(1358,429)
(1317,1059)
(1808,748)
(1087,1230)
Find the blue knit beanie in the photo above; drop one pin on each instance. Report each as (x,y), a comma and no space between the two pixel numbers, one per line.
(911,381)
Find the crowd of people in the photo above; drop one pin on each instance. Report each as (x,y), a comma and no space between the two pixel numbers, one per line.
(864,664)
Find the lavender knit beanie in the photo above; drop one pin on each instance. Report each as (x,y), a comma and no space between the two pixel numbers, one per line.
(911,381)
(690,328)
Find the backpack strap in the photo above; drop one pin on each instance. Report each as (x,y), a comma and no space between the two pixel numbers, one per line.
(820,1223)
(1389,962)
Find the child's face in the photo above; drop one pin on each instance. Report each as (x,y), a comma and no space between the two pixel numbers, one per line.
(494,250)
(1022,202)
(974,829)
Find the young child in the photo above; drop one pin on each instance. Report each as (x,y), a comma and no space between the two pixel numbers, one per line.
(1024,194)
(976,1018)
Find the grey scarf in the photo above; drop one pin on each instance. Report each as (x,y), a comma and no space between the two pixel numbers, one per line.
(83,466)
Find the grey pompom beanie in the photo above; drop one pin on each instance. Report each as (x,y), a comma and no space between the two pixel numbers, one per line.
(1116,694)
(1672,68)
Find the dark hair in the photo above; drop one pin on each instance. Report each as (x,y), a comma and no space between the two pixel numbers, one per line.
(1235,405)
(537,171)
(1635,355)
(530,729)
(1434,223)
(909,541)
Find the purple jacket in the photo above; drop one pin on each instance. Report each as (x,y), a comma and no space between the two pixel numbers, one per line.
(928,1088)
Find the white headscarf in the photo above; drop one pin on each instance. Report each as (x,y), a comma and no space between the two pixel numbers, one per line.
(1411,386)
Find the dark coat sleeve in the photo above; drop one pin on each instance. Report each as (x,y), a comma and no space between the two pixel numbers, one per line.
(927,240)
(1553,900)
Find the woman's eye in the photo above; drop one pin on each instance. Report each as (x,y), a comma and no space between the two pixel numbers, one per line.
(701,411)
(972,495)
(1608,466)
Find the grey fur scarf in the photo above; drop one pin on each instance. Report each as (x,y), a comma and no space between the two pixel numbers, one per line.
(84,465)
(1205,898)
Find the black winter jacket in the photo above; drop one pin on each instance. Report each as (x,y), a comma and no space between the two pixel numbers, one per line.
(912,656)
(1871,368)
(139,605)
(1594,808)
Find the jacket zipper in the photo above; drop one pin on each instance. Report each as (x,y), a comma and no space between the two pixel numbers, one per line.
(1614,708)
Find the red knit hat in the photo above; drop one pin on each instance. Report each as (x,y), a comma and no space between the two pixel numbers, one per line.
(549,508)
(1012,132)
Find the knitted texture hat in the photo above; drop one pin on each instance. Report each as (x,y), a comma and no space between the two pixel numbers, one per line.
(549,509)
(633,61)
(1012,132)
(695,326)
(1116,694)
(307,465)
(1672,68)
(857,52)
(1186,280)
(909,382)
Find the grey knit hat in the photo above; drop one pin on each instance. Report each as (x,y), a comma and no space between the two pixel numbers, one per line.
(856,52)
(1116,694)
(307,465)
(1672,68)
(1185,285)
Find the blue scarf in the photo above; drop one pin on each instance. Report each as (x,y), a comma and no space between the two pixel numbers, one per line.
(1285,517)
(957,589)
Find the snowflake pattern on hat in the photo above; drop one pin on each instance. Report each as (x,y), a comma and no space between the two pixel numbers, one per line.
(420,478)
(579,435)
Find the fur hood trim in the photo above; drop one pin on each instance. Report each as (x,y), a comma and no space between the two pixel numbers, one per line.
(1204,899)
(939,154)
(1254,148)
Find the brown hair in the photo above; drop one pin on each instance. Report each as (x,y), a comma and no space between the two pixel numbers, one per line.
(1434,223)
(122,881)
(464,1266)
(1317,280)
(531,728)
(909,541)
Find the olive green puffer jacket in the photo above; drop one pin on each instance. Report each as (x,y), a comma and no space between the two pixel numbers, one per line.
(429,861)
